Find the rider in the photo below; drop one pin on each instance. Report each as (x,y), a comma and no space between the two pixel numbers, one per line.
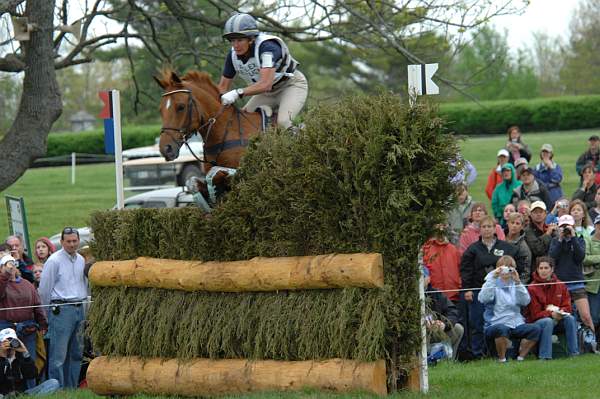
(265,63)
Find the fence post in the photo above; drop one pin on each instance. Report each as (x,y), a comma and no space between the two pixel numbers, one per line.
(73,163)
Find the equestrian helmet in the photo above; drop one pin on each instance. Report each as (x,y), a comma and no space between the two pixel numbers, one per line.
(240,26)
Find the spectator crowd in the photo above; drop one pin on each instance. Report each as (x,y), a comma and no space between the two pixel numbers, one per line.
(521,277)
(41,315)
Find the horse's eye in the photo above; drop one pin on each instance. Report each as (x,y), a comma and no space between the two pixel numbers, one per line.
(180,107)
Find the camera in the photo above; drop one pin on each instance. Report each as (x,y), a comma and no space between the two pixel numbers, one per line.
(14,343)
(565,231)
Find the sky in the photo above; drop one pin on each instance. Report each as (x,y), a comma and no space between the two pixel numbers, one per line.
(550,16)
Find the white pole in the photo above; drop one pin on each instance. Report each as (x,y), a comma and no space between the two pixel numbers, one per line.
(73,163)
(116,101)
(423,371)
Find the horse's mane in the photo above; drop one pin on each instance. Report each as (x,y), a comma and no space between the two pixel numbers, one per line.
(197,78)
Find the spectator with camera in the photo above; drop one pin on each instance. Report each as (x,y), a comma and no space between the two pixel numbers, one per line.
(24,262)
(550,309)
(16,292)
(65,287)
(479,259)
(504,296)
(568,252)
(17,366)
(561,207)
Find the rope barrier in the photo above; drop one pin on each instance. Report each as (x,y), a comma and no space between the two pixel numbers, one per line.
(524,285)
(47,306)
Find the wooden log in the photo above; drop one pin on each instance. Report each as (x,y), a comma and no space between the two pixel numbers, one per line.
(257,274)
(205,377)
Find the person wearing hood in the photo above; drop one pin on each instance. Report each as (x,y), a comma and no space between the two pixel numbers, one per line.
(503,296)
(531,189)
(550,308)
(503,193)
(549,173)
(478,260)
(516,237)
(495,176)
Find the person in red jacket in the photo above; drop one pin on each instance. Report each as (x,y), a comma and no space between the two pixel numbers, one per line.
(550,308)
(495,176)
(442,259)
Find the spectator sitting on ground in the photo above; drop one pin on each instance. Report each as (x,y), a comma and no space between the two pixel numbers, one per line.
(471,233)
(550,174)
(568,252)
(530,190)
(458,217)
(561,207)
(495,176)
(503,296)
(443,320)
(16,366)
(24,262)
(43,249)
(539,234)
(503,193)
(442,259)
(515,145)
(587,190)
(595,210)
(583,225)
(591,156)
(508,209)
(18,293)
(519,165)
(591,270)
(550,309)
(479,259)
(516,237)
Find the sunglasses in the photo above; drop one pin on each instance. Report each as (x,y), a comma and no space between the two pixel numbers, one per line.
(70,230)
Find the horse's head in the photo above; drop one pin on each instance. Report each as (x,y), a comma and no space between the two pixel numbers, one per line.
(182,113)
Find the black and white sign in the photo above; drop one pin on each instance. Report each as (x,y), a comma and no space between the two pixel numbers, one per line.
(419,80)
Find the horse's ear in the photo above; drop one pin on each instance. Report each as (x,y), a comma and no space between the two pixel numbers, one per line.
(160,82)
(175,78)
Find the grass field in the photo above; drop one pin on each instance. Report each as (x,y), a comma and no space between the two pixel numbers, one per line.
(561,378)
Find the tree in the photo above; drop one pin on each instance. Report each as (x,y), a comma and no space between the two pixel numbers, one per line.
(582,53)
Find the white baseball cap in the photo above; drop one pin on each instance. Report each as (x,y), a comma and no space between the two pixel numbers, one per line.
(566,219)
(5,259)
(7,333)
(503,152)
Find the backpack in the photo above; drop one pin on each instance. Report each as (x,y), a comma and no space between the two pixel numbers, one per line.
(587,340)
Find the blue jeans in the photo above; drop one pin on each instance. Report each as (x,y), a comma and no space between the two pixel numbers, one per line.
(30,343)
(45,388)
(476,310)
(65,351)
(547,325)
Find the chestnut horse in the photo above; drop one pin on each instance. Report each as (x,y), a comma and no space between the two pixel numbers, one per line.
(192,104)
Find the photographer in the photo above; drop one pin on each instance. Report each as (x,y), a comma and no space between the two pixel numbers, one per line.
(15,292)
(504,295)
(16,365)
(568,252)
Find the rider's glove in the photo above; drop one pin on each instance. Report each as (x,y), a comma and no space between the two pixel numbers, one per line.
(230,97)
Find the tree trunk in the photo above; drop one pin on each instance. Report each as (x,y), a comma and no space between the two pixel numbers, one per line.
(40,103)
(205,377)
(257,274)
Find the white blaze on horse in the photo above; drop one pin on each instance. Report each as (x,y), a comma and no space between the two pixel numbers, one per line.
(191,104)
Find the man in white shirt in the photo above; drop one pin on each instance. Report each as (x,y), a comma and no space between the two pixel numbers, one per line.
(65,286)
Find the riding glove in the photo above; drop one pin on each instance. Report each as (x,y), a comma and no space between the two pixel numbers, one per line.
(230,97)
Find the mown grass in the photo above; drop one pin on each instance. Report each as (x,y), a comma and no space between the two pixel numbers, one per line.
(561,378)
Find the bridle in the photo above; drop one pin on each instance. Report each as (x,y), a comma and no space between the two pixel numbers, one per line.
(187,132)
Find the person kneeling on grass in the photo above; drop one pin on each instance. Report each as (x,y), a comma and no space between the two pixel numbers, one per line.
(503,296)
(550,308)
